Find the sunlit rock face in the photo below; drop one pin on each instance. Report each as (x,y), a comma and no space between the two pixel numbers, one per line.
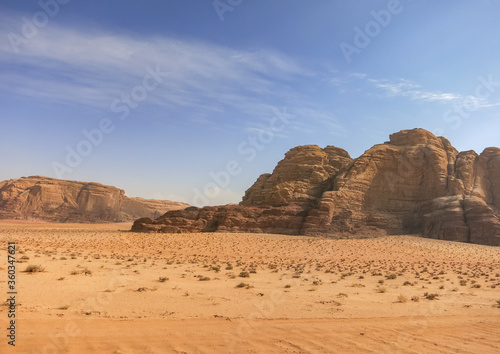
(414,183)
(57,200)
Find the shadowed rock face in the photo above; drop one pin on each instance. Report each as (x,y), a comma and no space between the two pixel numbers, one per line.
(414,183)
(68,201)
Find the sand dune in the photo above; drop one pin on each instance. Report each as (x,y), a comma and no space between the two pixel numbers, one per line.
(106,290)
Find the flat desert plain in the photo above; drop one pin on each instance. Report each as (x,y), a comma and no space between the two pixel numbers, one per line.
(102,289)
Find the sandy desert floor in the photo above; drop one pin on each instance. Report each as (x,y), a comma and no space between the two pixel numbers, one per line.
(103,289)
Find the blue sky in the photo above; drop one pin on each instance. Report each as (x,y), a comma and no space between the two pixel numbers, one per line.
(193,100)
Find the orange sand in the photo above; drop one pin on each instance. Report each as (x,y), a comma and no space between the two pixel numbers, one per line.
(101,292)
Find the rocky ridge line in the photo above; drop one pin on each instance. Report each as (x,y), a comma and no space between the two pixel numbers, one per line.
(50,199)
(414,183)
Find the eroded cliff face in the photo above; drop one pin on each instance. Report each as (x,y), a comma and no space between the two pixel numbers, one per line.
(300,178)
(68,201)
(414,183)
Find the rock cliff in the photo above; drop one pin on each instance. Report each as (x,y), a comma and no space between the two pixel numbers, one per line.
(414,183)
(51,199)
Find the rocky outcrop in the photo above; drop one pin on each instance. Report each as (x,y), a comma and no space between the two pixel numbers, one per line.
(228,218)
(414,183)
(300,178)
(51,199)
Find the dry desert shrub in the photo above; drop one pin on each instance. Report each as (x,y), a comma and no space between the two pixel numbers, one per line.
(244,285)
(433,296)
(85,271)
(32,268)
(402,298)
(357,285)
(336,303)
(382,289)
(215,268)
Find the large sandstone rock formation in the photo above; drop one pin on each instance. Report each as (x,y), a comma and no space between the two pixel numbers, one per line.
(68,201)
(414,183)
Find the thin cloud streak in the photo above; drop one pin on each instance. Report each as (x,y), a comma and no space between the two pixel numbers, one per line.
(94,69)
(412,90)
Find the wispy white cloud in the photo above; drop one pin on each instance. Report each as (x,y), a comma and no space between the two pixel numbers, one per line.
(359,75)
(63,65)
(350,82)
(328,121)
(484,104)
(412,90)
(416,92)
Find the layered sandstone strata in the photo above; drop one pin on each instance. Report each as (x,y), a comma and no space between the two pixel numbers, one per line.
(414,183)
(57,200)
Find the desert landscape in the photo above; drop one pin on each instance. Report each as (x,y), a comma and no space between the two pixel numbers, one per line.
(229,176)
(326,254)
(100,288)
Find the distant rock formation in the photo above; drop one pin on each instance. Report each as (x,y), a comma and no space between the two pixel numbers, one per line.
(57,200)
(415,183)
